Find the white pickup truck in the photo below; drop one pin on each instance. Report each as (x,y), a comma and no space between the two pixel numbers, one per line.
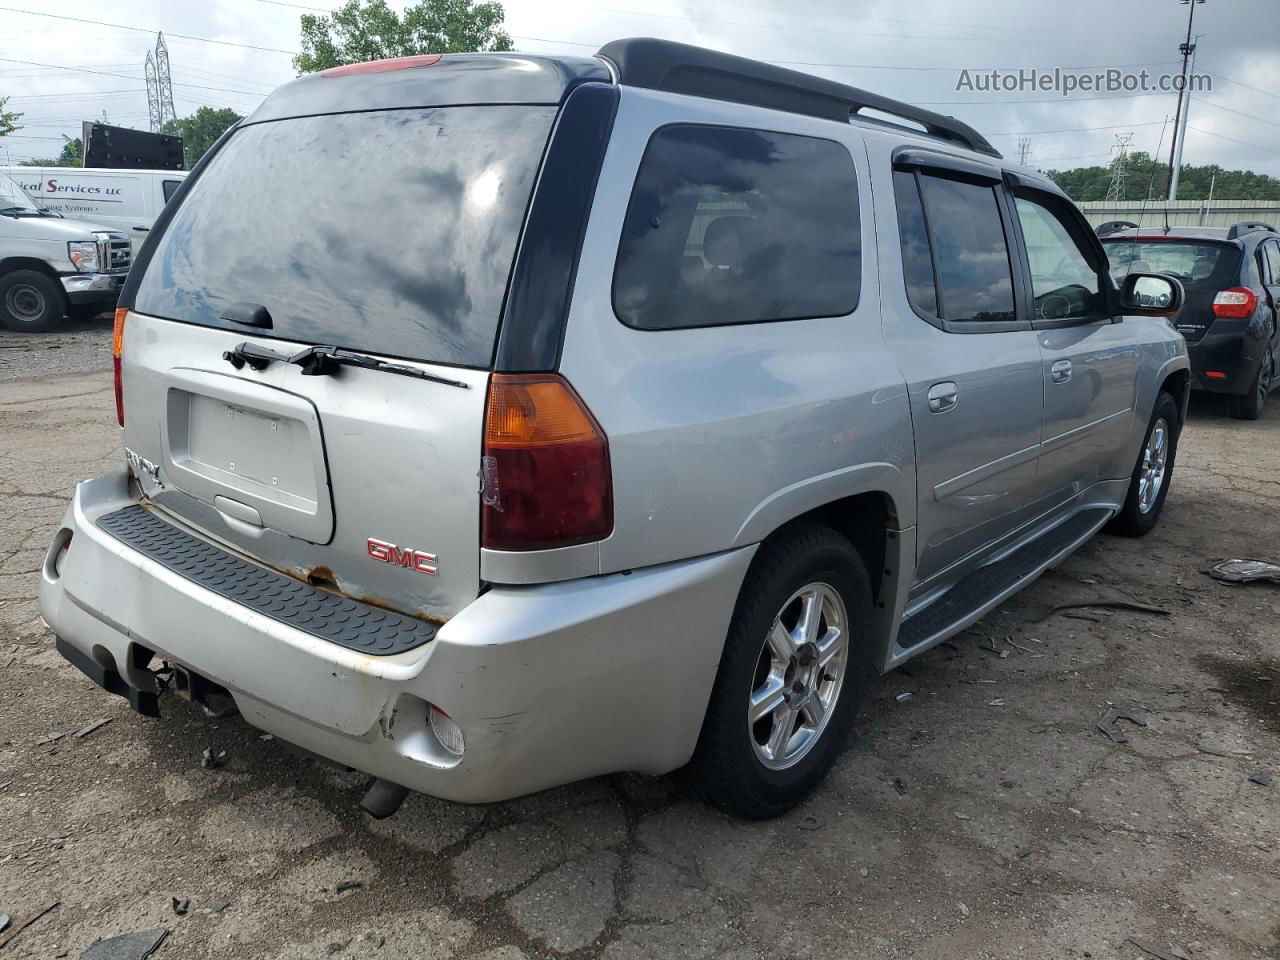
(51,266)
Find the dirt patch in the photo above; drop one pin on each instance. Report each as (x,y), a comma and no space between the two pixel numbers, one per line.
(1252,684)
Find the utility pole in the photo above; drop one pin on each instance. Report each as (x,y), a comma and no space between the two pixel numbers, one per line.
(1024,151)
(1115,192)
(1186,48)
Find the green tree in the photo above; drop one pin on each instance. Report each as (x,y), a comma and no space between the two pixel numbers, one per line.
(72,156)
(1148,178)
(8,118)
(362,30)
(200,130)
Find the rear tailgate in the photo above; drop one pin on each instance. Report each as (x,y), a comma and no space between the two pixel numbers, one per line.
(318,476)
(388,234)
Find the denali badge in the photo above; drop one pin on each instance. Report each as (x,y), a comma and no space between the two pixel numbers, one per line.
(409,559)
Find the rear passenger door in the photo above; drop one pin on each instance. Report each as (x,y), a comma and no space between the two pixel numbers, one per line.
(969,356)
(1269,265)
(1090,360)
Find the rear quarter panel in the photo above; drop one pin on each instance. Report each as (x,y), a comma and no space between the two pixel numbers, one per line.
(719,435)
(1162,352)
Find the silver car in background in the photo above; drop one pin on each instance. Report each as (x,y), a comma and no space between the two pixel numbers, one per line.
(668,397)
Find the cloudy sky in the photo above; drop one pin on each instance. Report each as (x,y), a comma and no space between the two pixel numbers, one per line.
(233,52)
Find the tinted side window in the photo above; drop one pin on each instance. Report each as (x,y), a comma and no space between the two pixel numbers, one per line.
(170,187)
(1063,281)
(1272,253)
(729,225)
(970,250)
(917,263)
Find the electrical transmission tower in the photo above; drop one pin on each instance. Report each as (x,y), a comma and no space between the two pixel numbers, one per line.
(159,86)
(1115,191)
(1024,151)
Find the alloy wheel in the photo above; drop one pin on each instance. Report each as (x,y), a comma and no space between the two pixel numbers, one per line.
(799,675)
(1155,460)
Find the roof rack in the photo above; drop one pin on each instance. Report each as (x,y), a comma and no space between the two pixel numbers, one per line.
(1248,226)
(1114,226)
(680,68)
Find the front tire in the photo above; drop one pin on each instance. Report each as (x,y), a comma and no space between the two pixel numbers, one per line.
(791,676)
(1251,405)
(30,302)
(1154,471)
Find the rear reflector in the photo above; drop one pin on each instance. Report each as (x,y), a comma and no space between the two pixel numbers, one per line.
(545,468)
(381,66)
(117,350)
(1215,375)
(1237,302)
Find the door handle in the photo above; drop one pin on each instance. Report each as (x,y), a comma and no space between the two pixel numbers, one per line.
(943,397)
(142,229)
(1061,371)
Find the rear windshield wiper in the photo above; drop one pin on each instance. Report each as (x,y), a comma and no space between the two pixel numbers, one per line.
(325,361)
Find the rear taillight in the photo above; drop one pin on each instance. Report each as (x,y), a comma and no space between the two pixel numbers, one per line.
(1236,302)
(117,349)
(545,468)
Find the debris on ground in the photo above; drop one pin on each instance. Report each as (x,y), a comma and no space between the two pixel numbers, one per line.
(25,922)
(129,946)
(904,697)
(1110,723)
(1261,778)
(90,728)
(181,905)
(4,922)
(809,822)
(1245,571)
(1146,946)
(899,786)
(212,761)
(217,906)
(1104,604)
(346,885)
(53,737)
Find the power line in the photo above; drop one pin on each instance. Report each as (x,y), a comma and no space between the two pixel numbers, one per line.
(1113,126)
(122,76)
(1243,143)
(122,26)
(1238,83)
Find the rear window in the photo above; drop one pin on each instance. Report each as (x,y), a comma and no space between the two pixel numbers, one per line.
(729,225)
(1197,265)
(390,232)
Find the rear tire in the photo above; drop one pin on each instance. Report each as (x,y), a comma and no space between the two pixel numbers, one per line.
(785,697)
(1251,405)
(1153,474)
(30,302)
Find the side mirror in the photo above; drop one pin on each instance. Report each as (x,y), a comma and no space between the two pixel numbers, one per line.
(1151,295)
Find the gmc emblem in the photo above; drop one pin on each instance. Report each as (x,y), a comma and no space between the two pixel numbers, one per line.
(409,559)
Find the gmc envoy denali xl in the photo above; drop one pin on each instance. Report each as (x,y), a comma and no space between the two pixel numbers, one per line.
(663,398)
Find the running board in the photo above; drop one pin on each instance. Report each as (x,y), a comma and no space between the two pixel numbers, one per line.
(978,593)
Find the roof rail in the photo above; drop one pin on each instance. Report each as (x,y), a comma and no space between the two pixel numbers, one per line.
(1114,226)
(680,68)
(1248,226)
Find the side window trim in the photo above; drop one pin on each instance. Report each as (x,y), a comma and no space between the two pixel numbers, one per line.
(1077,229)
(911,160)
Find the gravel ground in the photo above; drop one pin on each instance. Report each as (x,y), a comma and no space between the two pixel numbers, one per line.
(986,816)
(77,346)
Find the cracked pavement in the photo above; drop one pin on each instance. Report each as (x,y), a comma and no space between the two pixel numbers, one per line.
(986,816)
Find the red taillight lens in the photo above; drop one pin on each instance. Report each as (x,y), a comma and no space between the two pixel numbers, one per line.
(117,349)
(1236,302)
(381,66)
(547,481)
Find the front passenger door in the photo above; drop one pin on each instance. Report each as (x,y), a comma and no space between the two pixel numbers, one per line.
(1089,361)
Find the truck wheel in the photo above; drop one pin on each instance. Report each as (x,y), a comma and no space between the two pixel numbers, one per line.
(1153,474)
(1250,406)
(792,673)
(30,301)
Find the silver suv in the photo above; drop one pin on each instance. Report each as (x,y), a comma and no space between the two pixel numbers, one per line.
(495,421)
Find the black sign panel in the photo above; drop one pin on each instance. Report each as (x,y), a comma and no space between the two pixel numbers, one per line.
(123,149)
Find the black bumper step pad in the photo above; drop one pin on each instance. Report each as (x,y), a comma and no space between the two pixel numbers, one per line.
(348,623)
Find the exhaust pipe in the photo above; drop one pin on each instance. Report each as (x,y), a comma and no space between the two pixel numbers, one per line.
(383,799)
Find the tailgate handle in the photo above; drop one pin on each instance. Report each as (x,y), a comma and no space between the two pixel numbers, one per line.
(250,314)
(237,510)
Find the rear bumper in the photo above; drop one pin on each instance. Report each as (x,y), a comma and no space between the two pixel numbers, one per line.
(1236,355)
(550,683)
(90,288)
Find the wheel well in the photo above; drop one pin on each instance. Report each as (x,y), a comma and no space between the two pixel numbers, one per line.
(1177,385)
(27,263)
(864,519)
